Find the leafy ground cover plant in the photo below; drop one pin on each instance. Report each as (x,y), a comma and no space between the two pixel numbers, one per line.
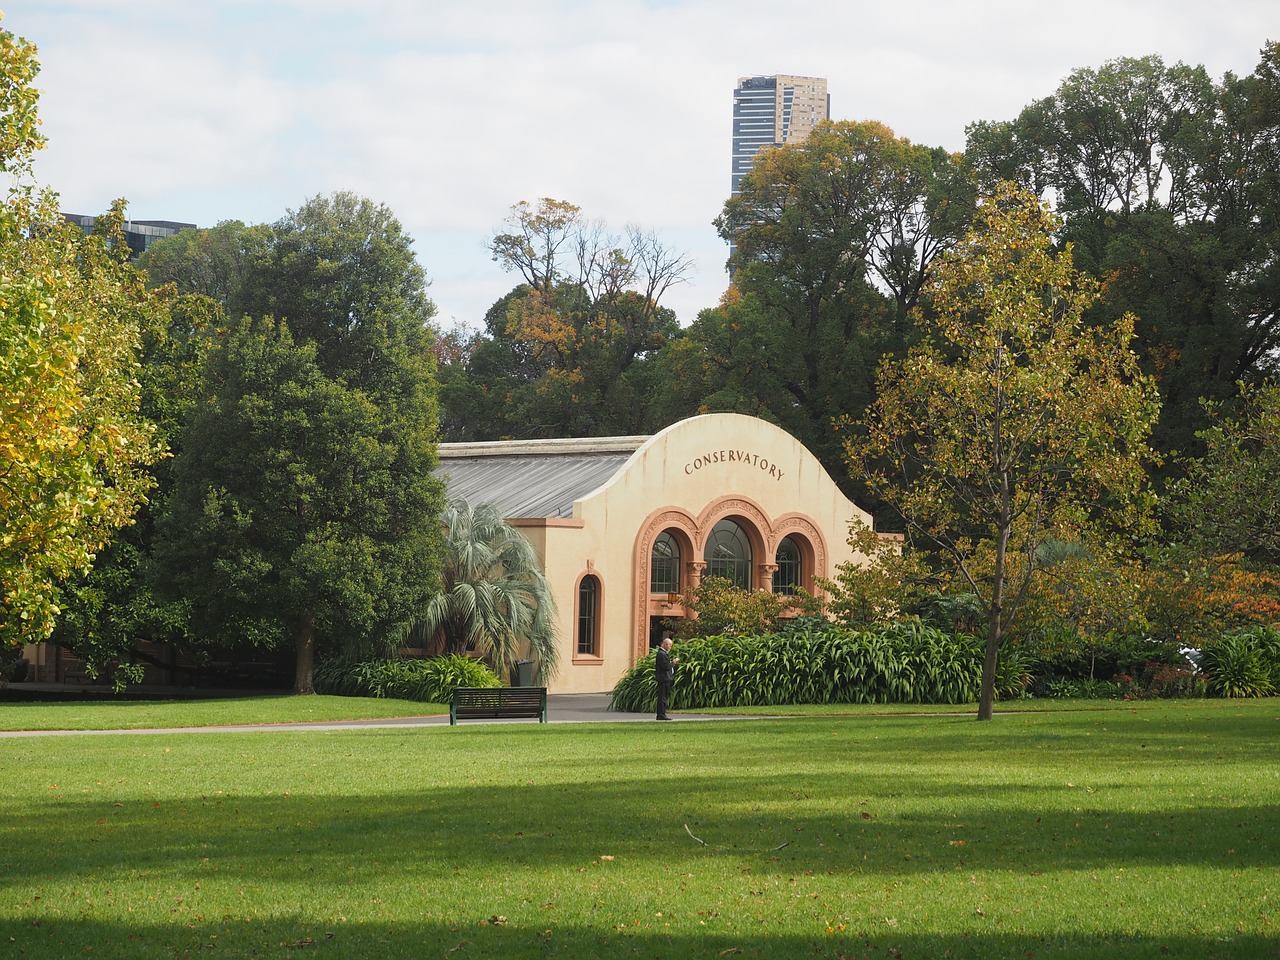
(907,662)
(1243,664)
(432,680)
(1143,831)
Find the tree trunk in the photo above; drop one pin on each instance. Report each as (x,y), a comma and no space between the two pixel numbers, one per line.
(305,640)
(986,700)
(995,614)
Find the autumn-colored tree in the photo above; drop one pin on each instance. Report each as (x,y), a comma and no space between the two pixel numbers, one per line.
(568,352)
(1193,600)
(1013,421)
(73,447)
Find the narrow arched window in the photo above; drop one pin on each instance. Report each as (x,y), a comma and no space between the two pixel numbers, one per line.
(728,554)
(788,578)
(664,565)
(589,617)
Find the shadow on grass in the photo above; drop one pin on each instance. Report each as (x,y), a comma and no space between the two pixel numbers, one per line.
(297,937)
(542,826)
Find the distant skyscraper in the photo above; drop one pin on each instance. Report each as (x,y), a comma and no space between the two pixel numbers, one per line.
(771,111)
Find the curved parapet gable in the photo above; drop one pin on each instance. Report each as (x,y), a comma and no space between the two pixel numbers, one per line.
(703,458)
(700,471)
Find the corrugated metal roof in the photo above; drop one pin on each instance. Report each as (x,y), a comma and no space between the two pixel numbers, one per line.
(529,479)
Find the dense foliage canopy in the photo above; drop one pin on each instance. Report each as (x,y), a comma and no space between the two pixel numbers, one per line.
(73,445)
(305,504)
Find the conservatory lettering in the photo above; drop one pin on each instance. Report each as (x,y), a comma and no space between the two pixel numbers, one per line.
(753,460)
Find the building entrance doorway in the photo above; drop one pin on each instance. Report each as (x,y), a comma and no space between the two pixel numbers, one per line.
(656,630)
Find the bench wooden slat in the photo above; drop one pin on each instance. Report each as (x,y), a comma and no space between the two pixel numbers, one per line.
(498,703)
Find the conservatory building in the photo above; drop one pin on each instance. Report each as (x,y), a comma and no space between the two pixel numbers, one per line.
(624,526)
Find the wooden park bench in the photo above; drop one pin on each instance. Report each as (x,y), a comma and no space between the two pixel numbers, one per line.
(498,703)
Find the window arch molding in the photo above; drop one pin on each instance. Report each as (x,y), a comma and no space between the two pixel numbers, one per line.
(812,544)
(683,527)
(755,526)
(588,617)
(690,532)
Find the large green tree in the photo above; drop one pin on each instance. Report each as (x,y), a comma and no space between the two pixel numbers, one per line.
(1013,421)
(1229,501)
(110,611)
(73,446)
(113,615)
(832,241)
(1169,189)
(208,261)
(305,503)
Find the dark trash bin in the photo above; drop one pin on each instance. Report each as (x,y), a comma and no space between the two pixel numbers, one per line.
(523,674)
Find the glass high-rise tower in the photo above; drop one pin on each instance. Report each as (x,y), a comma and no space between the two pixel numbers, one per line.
(771,111)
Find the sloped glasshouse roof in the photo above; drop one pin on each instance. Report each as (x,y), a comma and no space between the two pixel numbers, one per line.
(533,479)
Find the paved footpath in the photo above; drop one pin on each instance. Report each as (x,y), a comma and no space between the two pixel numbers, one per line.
(561,708)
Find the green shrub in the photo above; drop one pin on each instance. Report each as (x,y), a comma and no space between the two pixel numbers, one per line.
(1058,689)
(1086,689)
(1062,660)
(908,662)
(637,691)
(1015,673)
(1245,664)
(426,681)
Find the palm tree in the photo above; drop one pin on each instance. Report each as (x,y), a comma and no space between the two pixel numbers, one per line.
(493,600)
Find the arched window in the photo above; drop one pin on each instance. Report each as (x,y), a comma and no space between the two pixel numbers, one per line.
(589,617)
(789,575)
(728,554)
(664,565)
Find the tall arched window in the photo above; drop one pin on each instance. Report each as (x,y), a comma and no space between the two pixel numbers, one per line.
(664,565)
(728,554)
(589,617)
(788,578)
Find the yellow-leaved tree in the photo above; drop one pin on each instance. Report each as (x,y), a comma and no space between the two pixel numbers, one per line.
(72,444)
(1014,421)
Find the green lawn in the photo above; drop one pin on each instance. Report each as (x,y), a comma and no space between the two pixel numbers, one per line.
(1138,831)
(149,714)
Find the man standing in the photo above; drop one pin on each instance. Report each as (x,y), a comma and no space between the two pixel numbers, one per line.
(665,668)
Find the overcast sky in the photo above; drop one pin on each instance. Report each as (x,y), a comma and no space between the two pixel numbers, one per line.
(451,111)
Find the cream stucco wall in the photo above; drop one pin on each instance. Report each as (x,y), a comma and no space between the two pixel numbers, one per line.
(684,479)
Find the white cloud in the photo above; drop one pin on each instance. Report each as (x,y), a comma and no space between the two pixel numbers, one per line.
(451,111)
